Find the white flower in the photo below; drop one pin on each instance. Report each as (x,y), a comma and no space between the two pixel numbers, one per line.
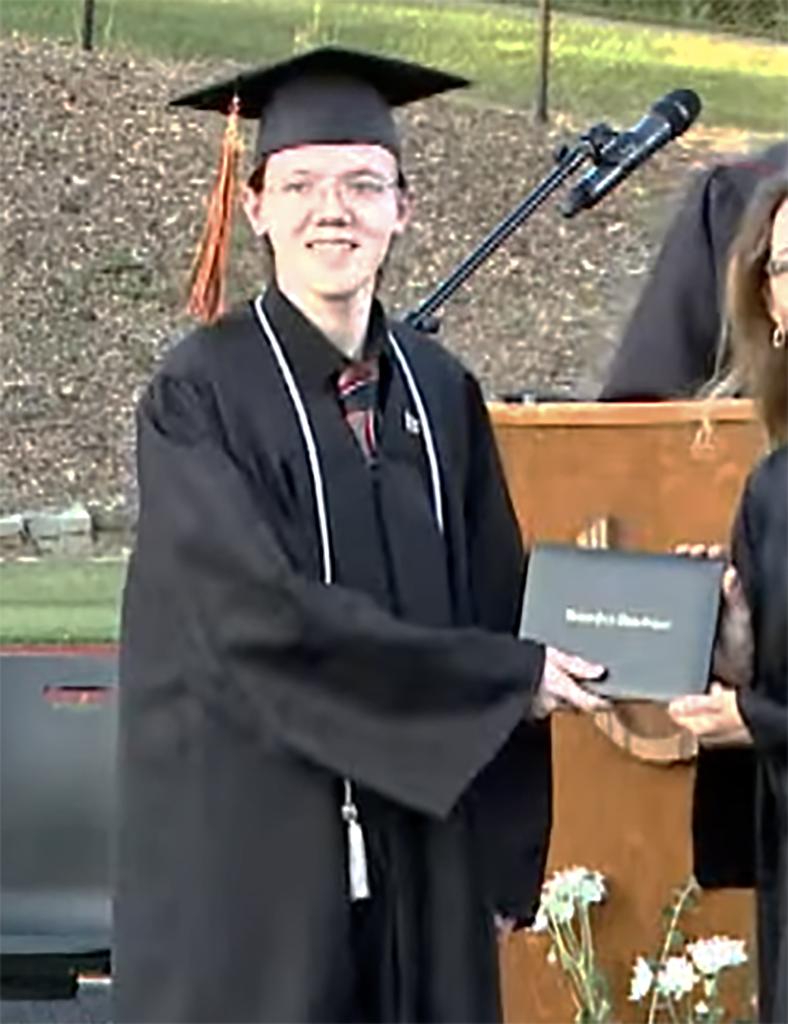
(581,884)
(701,1009)
(642,977)
(563,892)
(541,924)
(591,888)
(710,956)
(560,908)
(677,977)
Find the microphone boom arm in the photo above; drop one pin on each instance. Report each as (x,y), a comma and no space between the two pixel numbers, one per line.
(591,145)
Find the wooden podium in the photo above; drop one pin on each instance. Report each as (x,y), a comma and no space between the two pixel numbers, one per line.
(646,477)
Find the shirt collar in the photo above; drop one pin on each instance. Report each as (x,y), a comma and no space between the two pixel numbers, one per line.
(315,360)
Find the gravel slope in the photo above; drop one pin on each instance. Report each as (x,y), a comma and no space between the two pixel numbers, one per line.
(101,209)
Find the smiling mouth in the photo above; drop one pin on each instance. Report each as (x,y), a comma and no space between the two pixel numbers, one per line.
(334,244)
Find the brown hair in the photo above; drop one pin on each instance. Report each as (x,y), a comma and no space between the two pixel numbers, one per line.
(256,182)
(756,363)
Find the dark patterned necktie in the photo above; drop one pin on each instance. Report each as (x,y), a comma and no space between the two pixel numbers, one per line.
(357,387)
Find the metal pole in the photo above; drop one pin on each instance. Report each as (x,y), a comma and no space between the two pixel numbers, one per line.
(544,61)
(88,23)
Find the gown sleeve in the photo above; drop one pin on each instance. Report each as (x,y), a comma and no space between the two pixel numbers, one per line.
(213,604)
(763,710)
(724,815)
(766,720)
(669,345)
(513,794)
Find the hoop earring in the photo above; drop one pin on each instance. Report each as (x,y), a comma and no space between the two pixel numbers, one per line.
(778,337)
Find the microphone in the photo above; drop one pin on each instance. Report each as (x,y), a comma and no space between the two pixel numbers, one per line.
(669,117)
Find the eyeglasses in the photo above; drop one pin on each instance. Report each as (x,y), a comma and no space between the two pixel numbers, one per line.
(354,190)
(777,267)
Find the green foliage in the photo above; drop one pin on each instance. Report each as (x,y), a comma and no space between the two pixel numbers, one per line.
(611,70)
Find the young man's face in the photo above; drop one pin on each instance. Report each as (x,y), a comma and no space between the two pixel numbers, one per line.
(330,213)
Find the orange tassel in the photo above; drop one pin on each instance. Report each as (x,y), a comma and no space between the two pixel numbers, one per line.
(206,299)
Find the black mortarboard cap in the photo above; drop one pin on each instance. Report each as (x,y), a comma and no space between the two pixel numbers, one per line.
(328,95)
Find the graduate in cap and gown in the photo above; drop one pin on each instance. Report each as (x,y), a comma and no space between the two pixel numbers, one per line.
(674,342)
(740,814)
(334,755)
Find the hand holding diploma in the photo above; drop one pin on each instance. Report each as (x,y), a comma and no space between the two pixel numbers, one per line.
(561,684)
(713,717)
(733,646)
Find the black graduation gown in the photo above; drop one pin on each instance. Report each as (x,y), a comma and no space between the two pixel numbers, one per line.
(741,801)
(669,346)
(249,689)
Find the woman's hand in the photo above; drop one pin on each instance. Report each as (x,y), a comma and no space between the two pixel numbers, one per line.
(714,717)
(732,660)
(733,649)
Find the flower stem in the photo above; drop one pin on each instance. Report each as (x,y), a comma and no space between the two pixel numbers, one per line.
(594,996)
(672,1010)
(678,908)
(570,959)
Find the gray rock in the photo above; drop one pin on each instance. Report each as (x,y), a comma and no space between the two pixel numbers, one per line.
(70,522)
(12,532)
(12,527)
(117,519)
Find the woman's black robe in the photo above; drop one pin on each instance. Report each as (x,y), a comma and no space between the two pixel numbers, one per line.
(249,689)
(733,803)
(669,345)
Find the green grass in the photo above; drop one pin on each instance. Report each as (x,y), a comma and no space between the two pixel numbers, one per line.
(60,601)
(600,69)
